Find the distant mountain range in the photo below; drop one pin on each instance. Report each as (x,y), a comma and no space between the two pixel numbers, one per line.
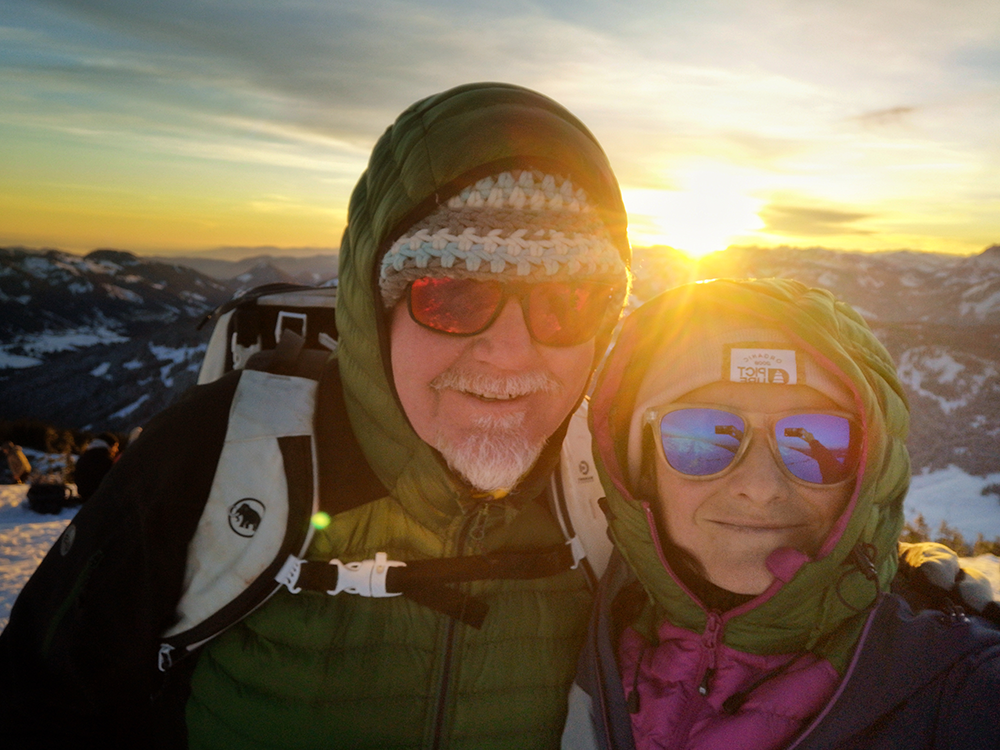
(310,269)
(106,340)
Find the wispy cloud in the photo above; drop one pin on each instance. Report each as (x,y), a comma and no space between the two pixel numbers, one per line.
(881,117)
(802,221)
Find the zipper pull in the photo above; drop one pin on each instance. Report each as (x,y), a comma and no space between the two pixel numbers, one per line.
(713,627)
(703,687)
(478,529)
(710,641)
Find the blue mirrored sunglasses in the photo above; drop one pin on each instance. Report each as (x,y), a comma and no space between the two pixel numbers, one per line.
(704,442)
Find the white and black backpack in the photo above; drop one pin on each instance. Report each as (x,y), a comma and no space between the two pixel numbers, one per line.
(253,322)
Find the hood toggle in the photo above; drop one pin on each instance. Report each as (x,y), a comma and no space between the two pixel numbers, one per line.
(862,559)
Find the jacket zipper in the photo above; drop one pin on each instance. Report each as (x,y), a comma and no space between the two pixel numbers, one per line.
(474,527)
(703,679)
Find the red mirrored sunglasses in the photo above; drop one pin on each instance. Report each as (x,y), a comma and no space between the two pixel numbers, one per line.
(557,313)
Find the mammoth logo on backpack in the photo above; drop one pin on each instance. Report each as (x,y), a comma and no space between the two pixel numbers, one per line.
(265,490)
(245,516)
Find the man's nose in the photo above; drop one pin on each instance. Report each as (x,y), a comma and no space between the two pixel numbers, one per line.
(507,342)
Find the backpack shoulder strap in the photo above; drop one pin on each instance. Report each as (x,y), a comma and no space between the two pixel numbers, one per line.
(346,480)
(576,493)
(262,496)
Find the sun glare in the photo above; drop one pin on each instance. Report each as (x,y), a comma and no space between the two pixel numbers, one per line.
(706,213)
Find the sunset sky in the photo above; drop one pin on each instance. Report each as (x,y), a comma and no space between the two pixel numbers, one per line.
(170,127)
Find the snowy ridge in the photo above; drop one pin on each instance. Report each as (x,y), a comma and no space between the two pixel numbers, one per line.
(101,341)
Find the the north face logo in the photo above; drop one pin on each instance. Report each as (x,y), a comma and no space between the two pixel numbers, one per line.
(245,516)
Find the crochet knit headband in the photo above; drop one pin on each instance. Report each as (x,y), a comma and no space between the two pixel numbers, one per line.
(521,223)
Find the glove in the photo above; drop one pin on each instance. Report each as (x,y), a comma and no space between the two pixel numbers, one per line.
(935,571)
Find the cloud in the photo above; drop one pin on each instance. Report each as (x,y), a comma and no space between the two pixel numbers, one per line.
(802,221)
(882,117)
(342,67)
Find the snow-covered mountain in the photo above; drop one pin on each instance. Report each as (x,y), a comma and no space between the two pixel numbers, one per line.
(101,341)
(890,287)
(107,340)
(311,269)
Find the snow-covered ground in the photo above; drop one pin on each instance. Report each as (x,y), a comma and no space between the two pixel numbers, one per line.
(949,495)
(25,537)
(952,496)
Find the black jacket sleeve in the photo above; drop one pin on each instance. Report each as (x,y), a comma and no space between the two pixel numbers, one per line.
(78,659)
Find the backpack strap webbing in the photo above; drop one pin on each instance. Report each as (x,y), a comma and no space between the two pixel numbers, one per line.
(346,480)
(424,581)
(290,357)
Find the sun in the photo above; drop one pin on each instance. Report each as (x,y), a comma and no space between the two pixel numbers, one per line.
(707,212)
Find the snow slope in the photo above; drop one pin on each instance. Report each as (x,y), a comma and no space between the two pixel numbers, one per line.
(955,497)
(25,537)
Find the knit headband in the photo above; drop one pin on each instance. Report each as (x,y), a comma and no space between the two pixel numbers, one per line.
(520,223)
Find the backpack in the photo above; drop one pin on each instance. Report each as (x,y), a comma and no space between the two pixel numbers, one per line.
(253,322)
(49,497)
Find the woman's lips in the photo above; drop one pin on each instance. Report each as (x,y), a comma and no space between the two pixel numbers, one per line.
(757,527)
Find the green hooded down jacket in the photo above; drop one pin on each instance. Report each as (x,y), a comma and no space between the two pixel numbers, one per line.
(311,670)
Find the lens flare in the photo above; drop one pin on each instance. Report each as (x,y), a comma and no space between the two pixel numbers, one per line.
(320,520)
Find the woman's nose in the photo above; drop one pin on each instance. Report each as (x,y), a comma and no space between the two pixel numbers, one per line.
(758,476)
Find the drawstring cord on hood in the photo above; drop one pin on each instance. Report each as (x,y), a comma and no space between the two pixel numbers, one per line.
(863,559)
(633,697)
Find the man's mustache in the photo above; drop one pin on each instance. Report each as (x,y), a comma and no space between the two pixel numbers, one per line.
(497,386)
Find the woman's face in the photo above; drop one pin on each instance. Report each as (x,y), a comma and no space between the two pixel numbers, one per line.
(732,523)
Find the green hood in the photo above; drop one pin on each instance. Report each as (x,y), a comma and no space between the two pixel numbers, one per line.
(433,150)
(821,604)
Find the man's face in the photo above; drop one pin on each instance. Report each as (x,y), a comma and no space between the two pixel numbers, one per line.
(731,524)
(487,402)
